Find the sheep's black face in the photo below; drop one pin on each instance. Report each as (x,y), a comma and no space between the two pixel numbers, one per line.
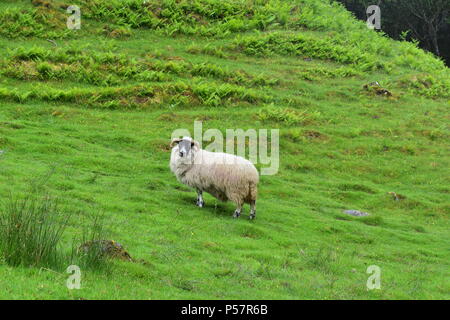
(184,147)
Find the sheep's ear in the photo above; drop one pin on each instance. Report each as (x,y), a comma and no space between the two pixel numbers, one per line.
(174,142)
(195,144)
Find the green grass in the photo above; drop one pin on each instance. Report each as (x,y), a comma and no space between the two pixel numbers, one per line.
(31,231)
(93,116)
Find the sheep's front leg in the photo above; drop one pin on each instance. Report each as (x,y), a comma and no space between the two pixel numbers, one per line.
(253,209)
(237,212)
(200,201)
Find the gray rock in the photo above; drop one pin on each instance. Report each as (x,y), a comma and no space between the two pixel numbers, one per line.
(356,213)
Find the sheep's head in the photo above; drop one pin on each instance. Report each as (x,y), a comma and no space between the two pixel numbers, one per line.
(185,147)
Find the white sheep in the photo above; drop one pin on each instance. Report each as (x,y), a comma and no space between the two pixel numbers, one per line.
(224,176)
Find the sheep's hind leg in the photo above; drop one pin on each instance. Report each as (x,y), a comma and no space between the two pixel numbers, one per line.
(252,209)
(200,203)
(237,212)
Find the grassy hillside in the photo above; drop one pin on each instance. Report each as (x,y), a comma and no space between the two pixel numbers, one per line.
(86,117)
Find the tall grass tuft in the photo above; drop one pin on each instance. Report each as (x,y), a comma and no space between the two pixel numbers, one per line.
(88,252)
(31,231)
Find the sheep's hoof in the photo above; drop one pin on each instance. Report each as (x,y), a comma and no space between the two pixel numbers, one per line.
(236,214)
(200,204)
(252,216)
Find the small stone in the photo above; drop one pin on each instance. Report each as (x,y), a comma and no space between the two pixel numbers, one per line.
(377,89)
(356,213)
(397,196)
